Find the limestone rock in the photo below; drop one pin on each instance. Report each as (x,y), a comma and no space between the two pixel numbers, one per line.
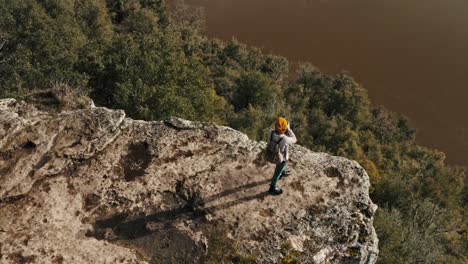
(91,186)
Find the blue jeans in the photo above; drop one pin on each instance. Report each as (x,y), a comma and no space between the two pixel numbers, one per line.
(278,171)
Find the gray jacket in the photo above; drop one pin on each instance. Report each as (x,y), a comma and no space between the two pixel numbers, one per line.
(288,139)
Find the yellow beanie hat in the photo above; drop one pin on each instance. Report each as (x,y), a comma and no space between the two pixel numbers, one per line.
(281,125)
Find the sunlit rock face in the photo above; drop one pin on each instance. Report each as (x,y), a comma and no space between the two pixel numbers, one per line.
(92,186)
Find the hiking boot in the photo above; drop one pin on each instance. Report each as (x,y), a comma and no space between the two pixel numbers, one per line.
(285,173)
(275,191)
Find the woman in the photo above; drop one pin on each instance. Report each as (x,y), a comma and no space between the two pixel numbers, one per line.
(284,136)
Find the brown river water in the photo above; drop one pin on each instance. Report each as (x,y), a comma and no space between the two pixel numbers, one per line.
(411,55)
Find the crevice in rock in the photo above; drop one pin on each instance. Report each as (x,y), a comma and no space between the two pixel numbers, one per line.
(91,201)
(11,199)
(136,161)
(332,172)
(192,198)
(29,145)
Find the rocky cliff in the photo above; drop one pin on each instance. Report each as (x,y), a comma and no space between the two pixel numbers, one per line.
(92,186)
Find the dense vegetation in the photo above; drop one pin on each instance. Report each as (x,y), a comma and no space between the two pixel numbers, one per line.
(133,55)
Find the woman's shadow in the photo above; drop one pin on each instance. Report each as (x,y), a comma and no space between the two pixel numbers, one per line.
(124,226)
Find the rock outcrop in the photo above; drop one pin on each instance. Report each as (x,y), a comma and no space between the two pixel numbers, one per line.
(92,186)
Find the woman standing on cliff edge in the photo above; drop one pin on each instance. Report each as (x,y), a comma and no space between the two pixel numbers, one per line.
(279,139)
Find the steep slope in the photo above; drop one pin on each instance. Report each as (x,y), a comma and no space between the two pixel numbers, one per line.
(91,186)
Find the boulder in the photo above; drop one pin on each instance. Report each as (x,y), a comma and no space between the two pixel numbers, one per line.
(92,186)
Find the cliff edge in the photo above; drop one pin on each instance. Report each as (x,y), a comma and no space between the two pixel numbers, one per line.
(92,186)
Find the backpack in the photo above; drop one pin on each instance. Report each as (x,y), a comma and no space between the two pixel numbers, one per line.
(273,153)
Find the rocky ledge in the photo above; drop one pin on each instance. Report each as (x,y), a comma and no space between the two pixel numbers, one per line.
(92,186)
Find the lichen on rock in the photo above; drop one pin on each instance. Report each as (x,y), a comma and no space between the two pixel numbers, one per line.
(92,186)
